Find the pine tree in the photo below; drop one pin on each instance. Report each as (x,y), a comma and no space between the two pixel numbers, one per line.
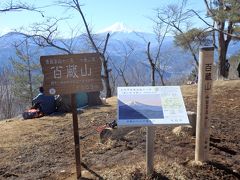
(226,17)
(27,75)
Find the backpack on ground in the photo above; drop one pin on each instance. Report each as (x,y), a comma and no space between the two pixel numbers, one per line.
(32,113)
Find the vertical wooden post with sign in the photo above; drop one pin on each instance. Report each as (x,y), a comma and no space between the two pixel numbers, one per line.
(206,56)
(69,74)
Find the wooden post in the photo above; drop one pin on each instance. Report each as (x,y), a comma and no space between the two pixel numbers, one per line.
(76,135)
(205,72)
(150,149)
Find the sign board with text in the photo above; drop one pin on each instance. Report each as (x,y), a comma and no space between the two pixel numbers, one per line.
(150,106)
(67,74)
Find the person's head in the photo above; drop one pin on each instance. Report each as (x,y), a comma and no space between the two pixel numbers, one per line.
(41,90)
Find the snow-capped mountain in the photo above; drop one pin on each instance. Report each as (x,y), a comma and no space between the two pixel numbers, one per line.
(117,27)
(134,103)
(140,106)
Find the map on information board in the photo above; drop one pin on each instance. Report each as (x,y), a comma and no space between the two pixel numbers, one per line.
(150,106)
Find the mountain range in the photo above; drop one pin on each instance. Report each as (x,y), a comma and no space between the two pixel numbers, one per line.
(122,40)
(140,106)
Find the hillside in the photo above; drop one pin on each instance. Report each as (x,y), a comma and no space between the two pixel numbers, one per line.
(43,148)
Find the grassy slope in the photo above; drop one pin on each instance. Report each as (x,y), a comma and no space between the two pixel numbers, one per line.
(43,148)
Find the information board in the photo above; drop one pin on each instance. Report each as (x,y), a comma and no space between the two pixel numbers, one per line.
(67,74)
(150,106)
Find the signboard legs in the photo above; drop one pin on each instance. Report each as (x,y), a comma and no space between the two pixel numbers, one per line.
(76,135)
(206,55)
(150,149)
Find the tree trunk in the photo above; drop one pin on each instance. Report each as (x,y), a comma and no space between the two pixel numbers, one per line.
(123,77)
(222,48)
(30,82)
(221,54)
(162,79)
(222,60)
(153,75)
(106,78)
(152,65)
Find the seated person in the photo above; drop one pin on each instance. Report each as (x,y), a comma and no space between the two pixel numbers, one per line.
(46,104)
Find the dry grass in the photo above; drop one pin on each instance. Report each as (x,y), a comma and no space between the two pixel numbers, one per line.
(43,148)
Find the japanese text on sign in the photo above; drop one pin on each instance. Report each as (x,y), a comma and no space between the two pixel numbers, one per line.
(148,106)
(65,74)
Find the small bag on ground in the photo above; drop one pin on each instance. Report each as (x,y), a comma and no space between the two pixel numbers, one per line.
(32,113)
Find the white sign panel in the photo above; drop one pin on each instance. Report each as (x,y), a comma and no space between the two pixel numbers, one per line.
(150,106)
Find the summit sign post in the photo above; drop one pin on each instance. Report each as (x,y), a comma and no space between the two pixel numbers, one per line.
(204,103)
(69,74)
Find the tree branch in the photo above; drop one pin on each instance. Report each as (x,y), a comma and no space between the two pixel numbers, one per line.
(18,7)
(229,33)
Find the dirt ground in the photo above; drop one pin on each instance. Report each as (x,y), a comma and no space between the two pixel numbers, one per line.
(43,148)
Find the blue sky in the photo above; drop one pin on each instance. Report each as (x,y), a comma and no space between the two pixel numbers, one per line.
(99,13)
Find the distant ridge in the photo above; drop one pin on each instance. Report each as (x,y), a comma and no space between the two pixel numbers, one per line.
(179,61)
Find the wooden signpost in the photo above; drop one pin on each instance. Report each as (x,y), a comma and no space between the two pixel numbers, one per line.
(206,55)
(69,74)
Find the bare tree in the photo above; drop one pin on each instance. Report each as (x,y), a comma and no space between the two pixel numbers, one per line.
(162,67)
(178,18)
(74,4)
(138,78)
(122,65)
(45,34)
(155,59)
